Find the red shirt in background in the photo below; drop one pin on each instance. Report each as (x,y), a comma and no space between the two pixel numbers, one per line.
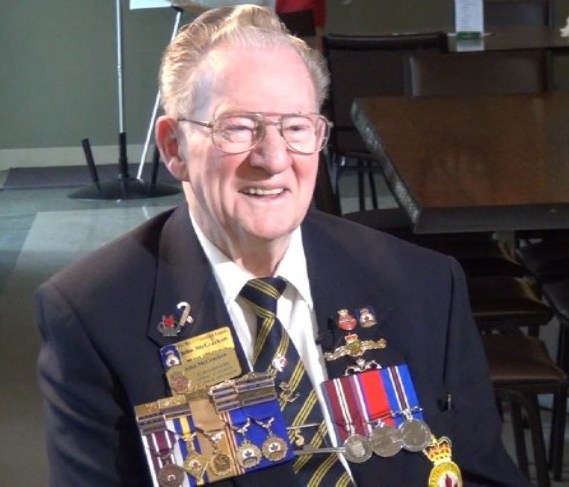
(317,6)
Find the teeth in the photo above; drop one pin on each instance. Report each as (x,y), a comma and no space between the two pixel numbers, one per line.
(263,192)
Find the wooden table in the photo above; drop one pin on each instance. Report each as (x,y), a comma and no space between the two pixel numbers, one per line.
(460,164)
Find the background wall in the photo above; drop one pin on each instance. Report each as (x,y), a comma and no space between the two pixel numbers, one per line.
(59,75)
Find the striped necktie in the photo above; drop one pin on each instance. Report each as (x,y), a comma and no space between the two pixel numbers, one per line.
(274,351)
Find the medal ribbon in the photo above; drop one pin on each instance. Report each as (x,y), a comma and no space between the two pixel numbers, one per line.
(401,392)
(207,421)
(356,401)
(374,397)
(256,434)
(160,447)
(183,426)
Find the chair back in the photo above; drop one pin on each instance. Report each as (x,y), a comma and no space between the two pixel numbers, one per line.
(478,73)
(364,66)
(503,13)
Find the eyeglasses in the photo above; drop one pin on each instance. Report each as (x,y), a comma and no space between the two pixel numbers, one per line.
(235,133)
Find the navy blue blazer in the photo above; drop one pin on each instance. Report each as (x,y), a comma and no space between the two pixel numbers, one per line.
(100,347)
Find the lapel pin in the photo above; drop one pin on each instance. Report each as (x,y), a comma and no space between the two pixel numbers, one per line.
(345,320)
(171,325)
(355,347)
(366,317)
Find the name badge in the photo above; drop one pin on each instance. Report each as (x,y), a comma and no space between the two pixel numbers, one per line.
(201,361)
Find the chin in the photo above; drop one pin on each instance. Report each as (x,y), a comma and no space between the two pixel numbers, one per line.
(270,231)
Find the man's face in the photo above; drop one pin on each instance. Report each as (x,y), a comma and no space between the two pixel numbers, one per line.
(261,195)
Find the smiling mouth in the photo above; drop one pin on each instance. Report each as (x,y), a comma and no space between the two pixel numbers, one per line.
(263,192)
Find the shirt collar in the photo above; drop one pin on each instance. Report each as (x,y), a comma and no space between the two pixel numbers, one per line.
(231,278)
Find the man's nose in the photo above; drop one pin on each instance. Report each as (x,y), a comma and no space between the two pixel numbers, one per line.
(271,152)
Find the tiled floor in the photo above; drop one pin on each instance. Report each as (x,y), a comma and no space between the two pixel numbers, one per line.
(41,231)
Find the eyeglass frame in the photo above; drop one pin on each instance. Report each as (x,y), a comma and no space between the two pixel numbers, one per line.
(261,118)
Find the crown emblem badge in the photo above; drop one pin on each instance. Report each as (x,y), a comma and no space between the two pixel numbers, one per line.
(445,473)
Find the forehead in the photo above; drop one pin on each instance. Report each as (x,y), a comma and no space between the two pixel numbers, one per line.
(259,78)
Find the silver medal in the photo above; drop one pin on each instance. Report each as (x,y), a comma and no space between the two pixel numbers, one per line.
(386,441)
(357,449)
(415,435)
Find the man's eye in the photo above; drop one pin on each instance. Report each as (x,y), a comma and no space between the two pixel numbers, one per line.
(238,128)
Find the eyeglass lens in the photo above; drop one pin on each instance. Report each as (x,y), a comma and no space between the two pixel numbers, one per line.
(235,133)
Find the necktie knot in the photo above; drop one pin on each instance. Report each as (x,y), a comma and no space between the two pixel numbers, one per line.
(263,293)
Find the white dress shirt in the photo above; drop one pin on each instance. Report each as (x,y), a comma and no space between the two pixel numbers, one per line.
(295,309)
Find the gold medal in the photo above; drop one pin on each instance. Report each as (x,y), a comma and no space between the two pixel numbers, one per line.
(274,448)
(195,464)
(221,464)
(445,473)
(248,455)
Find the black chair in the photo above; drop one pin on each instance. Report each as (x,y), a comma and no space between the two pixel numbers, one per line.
(507,304)
(547,259)
(478,73)
(362,65)
(521,371)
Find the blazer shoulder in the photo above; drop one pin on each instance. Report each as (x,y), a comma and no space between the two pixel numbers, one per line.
(364,244)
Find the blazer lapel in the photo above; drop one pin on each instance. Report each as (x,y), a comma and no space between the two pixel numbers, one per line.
(341,282)
(184,274)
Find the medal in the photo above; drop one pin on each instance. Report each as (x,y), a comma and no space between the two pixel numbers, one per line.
(221,464)
(195,464)
(248,455)
(386,441)
(357,449)
(274,448)
(445,471)
(171,476)
(415,434)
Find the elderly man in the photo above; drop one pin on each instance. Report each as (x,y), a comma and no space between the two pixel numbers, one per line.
(165,360)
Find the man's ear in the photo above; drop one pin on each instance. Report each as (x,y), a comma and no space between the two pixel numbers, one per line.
(167,141)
